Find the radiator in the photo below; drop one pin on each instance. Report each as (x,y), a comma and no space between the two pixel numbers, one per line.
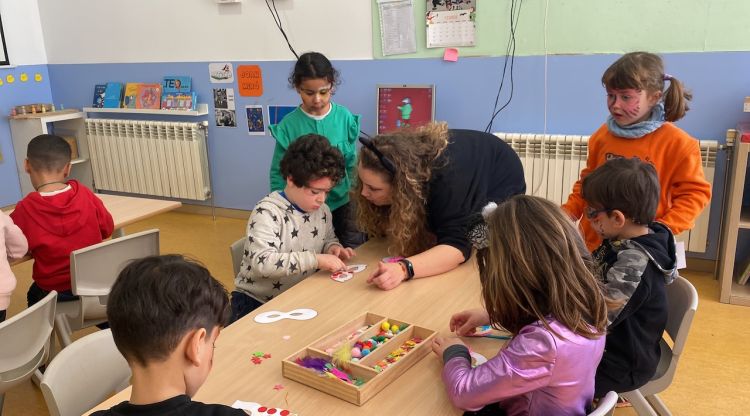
(552,164)
(149,157)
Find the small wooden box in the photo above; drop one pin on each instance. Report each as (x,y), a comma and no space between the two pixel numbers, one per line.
(73,146)
(374,381)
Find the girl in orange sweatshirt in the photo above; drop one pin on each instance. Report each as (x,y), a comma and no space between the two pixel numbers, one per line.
(640,125)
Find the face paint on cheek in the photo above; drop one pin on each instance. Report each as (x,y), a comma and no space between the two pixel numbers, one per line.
(633,111)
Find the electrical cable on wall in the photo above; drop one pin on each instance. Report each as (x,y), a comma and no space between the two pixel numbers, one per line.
(277,20)
(510,51)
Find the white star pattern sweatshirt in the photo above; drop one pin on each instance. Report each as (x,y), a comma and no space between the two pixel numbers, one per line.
(281,245)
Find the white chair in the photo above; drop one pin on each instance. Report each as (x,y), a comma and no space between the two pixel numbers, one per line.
(84,374)
(683,302)
(93,271)
(25,343)
(238,252)
(606,405)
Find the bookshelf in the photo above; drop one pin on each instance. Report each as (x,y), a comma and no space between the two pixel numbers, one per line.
(25,127)
(736,219)
(201,110)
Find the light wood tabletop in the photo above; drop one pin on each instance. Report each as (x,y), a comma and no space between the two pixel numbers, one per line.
(126,210)
(426,302)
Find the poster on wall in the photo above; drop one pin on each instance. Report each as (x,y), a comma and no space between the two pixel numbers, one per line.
(224,110)
(256,125)
(4,60)
(250,80)
(222,73)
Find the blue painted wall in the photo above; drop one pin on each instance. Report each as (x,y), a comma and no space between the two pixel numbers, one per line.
(11,95)
(465,92)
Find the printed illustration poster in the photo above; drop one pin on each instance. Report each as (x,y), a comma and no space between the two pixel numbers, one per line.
(250,80)
(222,73)
(224,110)
(256,125)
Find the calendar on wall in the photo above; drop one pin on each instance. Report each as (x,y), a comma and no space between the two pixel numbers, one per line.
(450,23)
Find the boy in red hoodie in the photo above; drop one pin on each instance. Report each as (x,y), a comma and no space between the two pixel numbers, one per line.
(58,218)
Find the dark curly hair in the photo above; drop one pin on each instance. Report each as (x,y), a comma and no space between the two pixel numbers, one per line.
(313,65)
(312,157)
(48,153)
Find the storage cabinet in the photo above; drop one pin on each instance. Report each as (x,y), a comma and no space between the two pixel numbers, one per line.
(736,225)
(62,123)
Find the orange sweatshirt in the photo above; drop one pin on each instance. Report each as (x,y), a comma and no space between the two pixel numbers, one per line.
(677,159)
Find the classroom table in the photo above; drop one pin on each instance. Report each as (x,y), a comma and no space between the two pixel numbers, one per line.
(427,302)
(127,210)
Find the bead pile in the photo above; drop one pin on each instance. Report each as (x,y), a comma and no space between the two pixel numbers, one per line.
(362,348)
(397,354)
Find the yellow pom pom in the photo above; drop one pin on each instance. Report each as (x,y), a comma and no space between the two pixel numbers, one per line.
(385,326)
(395,329)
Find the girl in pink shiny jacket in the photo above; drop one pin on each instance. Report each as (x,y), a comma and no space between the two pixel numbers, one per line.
(538,284)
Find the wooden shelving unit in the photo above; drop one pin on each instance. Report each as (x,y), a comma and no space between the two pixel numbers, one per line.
(736,219)
(25,127)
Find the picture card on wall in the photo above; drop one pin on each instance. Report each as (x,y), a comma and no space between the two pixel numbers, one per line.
(256,125)
(277,112)
(224,98)
(250,80)
(221,72)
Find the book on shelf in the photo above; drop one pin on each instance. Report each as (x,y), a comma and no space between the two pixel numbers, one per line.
(131,92)
(744,274)
(148,96)
(112,95)
(99,92)
(177,84)
(179,101)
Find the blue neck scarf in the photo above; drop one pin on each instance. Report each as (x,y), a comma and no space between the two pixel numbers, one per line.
(638,130)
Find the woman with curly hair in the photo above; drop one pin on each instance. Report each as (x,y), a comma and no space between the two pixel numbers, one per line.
(424,189)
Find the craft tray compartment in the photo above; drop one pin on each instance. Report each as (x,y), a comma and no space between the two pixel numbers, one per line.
(374,381)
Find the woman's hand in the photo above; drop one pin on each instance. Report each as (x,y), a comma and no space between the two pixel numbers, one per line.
(329,262)
(465,323)
(388,275)
(341,252)
(440,344)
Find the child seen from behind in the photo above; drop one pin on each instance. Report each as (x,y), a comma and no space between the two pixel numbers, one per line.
(637,259)
(166,313)
(538,283)
(59,217)
(13,246)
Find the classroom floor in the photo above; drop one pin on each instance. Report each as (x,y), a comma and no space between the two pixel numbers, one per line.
(712,377)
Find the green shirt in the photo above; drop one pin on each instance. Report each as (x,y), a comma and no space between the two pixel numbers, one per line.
(340,127)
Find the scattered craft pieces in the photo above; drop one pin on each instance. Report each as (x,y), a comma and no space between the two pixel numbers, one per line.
(356,268)
(341,276)
(273,316)
(256,409)
(258,357)
(477,358)
(286,337)
(278,387)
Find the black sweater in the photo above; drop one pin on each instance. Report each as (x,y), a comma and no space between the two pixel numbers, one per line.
(632,351)
(474,169)
(178,405)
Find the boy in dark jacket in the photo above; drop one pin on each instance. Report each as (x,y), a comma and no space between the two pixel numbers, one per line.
(637,260)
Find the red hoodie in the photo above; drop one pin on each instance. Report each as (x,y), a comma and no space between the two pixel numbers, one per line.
(58,224)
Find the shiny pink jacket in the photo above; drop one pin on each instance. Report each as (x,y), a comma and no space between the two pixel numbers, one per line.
(536,373)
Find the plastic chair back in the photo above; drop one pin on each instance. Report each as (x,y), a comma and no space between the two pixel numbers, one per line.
(84,374)
(25,342)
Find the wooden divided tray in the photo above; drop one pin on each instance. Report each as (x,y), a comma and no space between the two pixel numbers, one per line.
(374,380)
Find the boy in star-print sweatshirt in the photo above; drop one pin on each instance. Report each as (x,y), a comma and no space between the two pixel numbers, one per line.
(290,233)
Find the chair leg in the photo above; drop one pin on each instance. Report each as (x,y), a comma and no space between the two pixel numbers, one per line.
(2,400)
(63,330)
(658,405)
(641,406)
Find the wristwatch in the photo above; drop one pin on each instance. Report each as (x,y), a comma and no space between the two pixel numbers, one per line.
(409,269)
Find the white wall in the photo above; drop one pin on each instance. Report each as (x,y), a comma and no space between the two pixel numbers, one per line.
(116,31)
(23,32)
